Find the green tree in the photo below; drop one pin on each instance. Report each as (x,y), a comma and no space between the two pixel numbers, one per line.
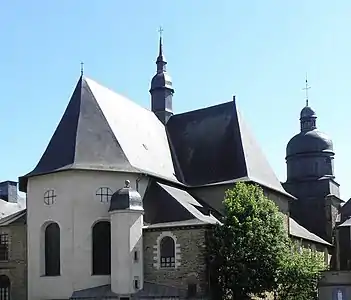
(247,250)
(299,274)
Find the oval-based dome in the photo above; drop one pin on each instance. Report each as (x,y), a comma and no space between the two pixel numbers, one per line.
(309,141)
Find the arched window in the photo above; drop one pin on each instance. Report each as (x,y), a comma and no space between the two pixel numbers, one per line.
(102,248)
(5,286)
(52,250)
(167,252)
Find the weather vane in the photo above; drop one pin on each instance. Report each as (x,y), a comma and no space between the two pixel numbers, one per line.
(306,88)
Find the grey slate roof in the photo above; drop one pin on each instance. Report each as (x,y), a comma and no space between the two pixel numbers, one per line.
(13,217)
(214,144)
(311,141)
(347,223)
(167,204)
(149,291)
(101,130)
(301,232)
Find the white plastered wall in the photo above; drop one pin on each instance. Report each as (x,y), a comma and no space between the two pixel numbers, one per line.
(76,209)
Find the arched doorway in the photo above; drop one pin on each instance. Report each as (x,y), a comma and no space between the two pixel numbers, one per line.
(5,286)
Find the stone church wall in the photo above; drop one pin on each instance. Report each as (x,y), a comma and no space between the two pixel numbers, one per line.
(16,266)
(190,258)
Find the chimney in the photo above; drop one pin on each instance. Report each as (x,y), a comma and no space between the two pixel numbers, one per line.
(8,191)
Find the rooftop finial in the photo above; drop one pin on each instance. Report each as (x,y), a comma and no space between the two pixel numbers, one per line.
(306,88)
(81,68)
(160,31)
(161,61)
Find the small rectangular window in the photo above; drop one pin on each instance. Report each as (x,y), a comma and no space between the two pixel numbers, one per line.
(136,256)
(136,283)
(4,246)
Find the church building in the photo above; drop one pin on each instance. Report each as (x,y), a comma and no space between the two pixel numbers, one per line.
(120,203)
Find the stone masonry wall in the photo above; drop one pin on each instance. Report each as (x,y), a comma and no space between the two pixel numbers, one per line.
(190,258)
(16,266)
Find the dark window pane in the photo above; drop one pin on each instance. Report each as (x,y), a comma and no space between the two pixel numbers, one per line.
(167,251)
(52,250)
(102,248)
(5,286)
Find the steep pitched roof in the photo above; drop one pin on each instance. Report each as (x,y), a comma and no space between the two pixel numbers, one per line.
(13,217)
(164,203)
(10,208)
(214,145)
(301,232)
(101,130)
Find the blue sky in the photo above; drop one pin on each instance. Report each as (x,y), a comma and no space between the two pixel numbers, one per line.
(258,50)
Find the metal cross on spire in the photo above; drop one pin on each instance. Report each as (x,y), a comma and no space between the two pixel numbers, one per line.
(306,88)
(81,68)
(160,31)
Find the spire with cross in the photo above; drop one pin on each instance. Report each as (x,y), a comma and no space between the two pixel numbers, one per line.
(306,88)
(160,30)
(161,89)
(161,60)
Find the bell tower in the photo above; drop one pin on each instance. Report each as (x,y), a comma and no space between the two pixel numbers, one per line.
(161,88)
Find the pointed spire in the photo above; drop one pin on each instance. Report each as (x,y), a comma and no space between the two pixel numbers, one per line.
(161,60)
(161,89)
(81,68)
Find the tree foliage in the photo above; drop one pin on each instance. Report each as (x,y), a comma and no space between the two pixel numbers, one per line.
(247,249)
(299,274)
(251,254)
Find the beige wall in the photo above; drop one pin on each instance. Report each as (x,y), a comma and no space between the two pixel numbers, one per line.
(322,249)
(214,196)
(16,268)
(190,258)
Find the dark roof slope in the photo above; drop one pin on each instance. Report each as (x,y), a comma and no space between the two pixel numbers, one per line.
(164,204)
(214,144)
(101,130)
(207,145)
(83,138)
